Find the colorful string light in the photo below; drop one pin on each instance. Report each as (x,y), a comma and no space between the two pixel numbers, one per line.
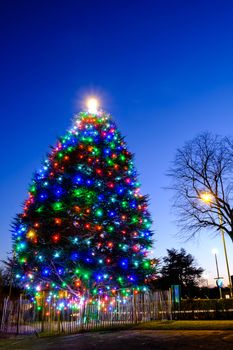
(85,227)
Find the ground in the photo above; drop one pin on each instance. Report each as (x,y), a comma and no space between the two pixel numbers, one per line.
(127,340)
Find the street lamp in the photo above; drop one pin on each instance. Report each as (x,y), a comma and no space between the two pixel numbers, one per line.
(210,198)
(218,279)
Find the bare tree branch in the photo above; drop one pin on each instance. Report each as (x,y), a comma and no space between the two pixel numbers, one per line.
(203,165)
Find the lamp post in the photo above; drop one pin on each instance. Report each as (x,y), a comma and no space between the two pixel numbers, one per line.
(225,252)
(209,198)
(215,252)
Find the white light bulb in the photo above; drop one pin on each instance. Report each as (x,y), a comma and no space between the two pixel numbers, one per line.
(214,251)
(92,105)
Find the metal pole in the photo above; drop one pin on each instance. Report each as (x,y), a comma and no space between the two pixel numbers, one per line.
(216,262)
(225,251)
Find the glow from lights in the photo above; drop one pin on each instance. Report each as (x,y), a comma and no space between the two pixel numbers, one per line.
(92,105)
(31,234)
(206,197)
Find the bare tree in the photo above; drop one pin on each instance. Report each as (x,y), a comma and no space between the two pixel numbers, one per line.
(202,181)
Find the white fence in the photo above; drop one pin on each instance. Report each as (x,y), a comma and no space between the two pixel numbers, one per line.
(52,316)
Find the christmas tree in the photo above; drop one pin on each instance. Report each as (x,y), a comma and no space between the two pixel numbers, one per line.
(85,227)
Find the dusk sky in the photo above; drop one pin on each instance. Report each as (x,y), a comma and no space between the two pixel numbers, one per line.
(163,69)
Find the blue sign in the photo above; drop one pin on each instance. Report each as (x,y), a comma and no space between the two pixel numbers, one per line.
(176,293)
(219,282)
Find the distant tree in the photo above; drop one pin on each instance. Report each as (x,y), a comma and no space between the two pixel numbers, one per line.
(180,268)
(1,280)
(201,179)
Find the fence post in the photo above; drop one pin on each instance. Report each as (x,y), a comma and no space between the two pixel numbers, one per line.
(43,312)
(135,319)
(18,314)
(4,320)
(169,297)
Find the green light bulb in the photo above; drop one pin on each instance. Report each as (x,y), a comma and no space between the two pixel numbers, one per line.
(57,206)
(99,212)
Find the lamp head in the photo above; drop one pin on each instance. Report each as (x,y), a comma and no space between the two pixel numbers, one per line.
(206,197)
(214,251)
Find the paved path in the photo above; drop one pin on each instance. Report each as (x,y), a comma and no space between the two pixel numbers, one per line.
(127,340)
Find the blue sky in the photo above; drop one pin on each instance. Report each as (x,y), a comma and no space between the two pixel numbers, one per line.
(163,69)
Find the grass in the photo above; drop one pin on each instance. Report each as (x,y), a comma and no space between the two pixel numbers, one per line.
(186,325)
(153,325)
(163,325)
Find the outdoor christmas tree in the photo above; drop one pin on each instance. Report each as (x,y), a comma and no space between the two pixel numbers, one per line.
(85,228)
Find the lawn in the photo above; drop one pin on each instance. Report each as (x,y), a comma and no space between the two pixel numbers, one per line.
(189,325)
